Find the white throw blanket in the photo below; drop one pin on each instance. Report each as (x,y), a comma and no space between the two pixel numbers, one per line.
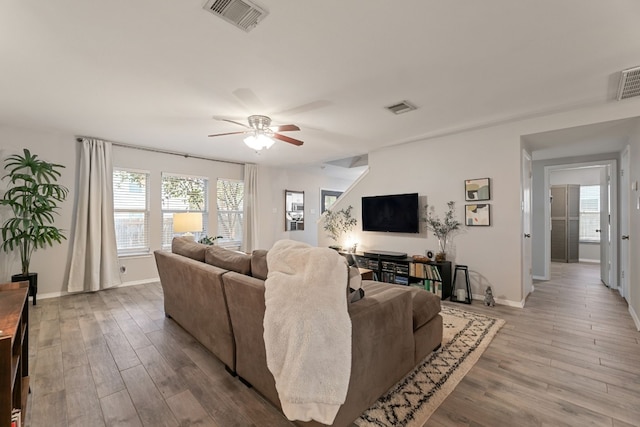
(307,329)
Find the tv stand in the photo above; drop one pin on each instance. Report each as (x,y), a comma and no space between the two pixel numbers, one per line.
(397,268)
(385,254)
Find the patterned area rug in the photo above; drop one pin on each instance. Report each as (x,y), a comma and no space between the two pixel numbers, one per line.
(412,400)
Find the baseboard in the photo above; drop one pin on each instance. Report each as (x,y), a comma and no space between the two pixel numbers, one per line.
(539,278)
(138,282)
(634,316)
(506,302)
(122,285)
(589,261)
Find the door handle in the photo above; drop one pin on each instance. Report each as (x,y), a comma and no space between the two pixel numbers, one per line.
(626,237)
(598,231)
(527,235)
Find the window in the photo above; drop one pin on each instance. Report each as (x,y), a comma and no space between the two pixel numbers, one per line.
(328,198)
(589,213)
(230,196)
(182,193)
(131,211)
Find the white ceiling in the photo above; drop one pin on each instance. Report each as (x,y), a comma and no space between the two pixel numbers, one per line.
(154,72)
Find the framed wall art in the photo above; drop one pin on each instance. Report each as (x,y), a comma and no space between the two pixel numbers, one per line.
(477,189)
(477,215)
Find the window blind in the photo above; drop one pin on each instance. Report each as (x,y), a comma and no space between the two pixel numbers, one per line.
(131,211)
(230,198)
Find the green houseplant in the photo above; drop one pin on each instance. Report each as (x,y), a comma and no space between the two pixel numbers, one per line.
(33,196)
(442,228)
(336,223)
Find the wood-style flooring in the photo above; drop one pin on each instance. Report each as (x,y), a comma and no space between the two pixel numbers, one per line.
(571,357)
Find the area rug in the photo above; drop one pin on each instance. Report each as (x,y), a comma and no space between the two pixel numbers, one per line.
(411,401)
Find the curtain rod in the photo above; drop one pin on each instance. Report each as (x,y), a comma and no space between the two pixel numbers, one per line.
(173,153)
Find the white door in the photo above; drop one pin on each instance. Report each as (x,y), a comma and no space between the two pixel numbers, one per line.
(624,224)
(527,282)
(605,226)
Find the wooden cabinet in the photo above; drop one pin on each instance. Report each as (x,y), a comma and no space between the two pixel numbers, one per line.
(14,350)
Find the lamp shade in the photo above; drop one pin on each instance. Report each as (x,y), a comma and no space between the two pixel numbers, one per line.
(258,141)
(187,222)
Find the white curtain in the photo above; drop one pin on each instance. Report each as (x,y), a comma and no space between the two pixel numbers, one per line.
(94,259)
(250,220)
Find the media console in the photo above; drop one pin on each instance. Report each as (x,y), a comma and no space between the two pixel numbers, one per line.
(396,267)
(386,254)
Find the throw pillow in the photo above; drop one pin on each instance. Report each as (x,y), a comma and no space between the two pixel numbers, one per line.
(187,247)
(229,260)
(354,285)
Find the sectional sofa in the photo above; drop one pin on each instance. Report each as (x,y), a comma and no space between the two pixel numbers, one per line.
(217,296)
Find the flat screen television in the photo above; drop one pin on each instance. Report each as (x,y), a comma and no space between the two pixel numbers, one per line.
(396,213)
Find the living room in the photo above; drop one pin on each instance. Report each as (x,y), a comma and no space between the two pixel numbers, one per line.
(476,130)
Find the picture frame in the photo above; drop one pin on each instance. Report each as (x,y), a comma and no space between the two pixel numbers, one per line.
(477,215)
(477,189)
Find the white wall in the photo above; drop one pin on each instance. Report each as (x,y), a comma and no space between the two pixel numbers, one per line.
(273,183)
(50,263)
(436,169)
(634,231)
(588,252)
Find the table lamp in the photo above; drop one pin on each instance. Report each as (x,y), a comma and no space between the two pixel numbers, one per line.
(187,223)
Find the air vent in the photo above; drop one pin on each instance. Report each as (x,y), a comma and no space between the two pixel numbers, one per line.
(629,83)
(241,13)
(401,107)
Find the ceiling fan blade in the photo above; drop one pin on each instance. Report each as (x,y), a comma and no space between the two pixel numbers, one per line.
(236,123)
(284,128)
(287,139)
(230,133)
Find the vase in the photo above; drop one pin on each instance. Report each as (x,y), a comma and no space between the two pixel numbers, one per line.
(441,256)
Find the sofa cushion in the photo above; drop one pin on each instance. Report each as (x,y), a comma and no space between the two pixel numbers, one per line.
(186,246)
(425,305)
(229,260)
(259,268)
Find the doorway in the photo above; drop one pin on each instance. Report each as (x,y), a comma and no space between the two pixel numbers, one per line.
(595,243)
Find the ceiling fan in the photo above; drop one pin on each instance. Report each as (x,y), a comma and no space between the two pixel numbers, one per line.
(261,134)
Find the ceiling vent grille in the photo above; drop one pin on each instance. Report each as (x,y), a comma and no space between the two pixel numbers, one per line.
(401,107)
(241,13)
(629,83)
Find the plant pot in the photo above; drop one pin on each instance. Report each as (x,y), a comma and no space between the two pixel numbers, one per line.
(441,256)
(32,278)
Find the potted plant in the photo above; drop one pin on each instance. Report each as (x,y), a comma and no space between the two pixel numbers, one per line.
(442,229)
(336,223)
(208,240)
(33,196)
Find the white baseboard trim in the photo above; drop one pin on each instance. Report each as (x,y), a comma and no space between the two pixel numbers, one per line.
(122,285)
(538,278)
(634,316)
(138,282)
(506,302)
(589,261)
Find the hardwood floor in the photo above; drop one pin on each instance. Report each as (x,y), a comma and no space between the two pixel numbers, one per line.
(111,358)
(571,357)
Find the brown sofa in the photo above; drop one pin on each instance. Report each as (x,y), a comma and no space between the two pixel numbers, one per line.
(221,303)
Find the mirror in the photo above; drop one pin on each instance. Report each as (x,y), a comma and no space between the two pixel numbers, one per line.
(293,210)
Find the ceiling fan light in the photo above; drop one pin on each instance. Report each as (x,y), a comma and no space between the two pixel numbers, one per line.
(258,142)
